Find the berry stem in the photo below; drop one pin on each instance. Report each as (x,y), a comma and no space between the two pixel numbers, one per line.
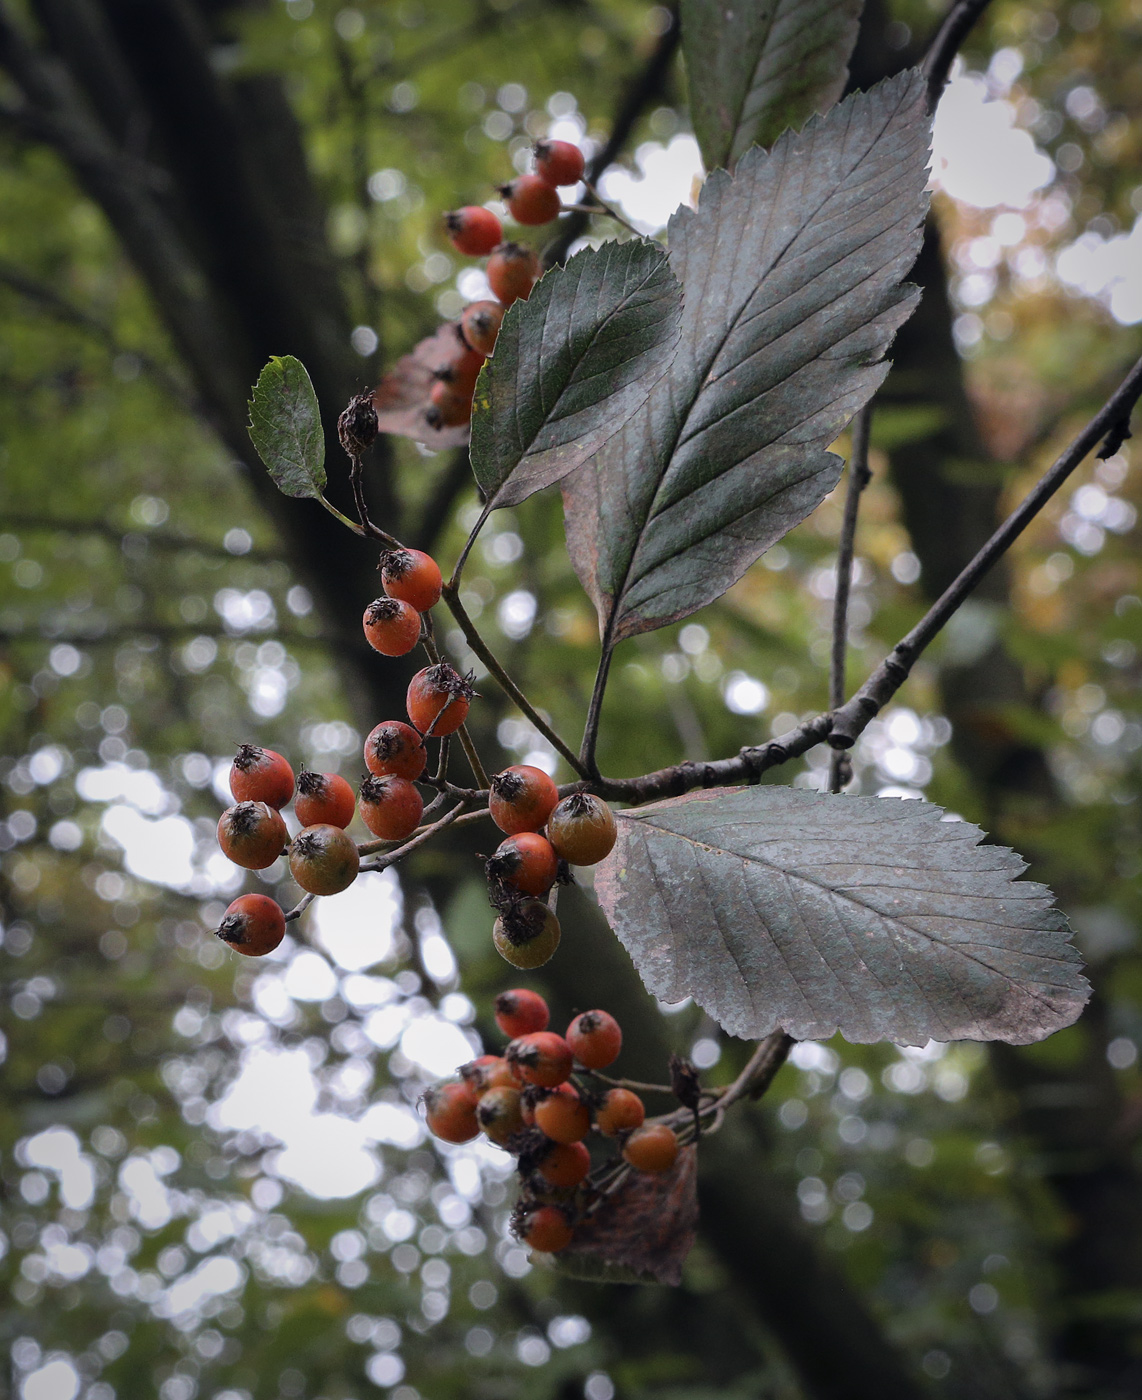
(601,207)
(429,641)
(367,527)
(507,685)
(840,765)
(300,907)
(344,519)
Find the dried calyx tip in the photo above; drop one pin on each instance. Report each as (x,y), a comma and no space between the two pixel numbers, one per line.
(357,427)
(310,783)
(247,756)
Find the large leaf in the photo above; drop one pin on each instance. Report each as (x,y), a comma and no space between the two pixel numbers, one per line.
(772,906)
(285,427)
(755,67)
(791,279)
(572,364)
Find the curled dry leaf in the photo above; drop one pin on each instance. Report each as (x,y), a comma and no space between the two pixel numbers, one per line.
(403,394)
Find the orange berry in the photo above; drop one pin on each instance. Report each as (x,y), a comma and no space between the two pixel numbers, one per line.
(480,325)
(563,1164)
(324,799)
(252,834)
(438,700)
(563,1116)
(390,807)
(413,577)
(531,200)
(527,934)
(395,747)
(474,230)
(512,272)
(522,798)
(526,862)
(451,1112)
(582,828)
(261,775)
(519,1012)
(546,1230)
(653,1148)
(498,1113)
(324,859)
(460,374)
(448,407)
(559,162)
(619,1112)
(488,1072)
(542,1058)
(595,1038)
(253,925)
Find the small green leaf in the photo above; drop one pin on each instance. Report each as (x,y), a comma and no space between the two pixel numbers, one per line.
(285,427)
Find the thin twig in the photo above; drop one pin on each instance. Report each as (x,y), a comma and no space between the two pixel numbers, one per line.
(859,476)
(601,207)
(594,713)
(454,581)
(1112,423)
(424,834)
(428,641)
(497,672)
(300,907)
(937,62)
(344,519)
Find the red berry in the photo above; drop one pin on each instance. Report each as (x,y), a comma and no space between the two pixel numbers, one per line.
(461,374)
(390,807)
(324,799)
(520,1012)
(619,1112)
(260,775)
(652,1149)
(488,1072)
(563,1164)
(474,230)
(522,798)
(532,200)
(449,408)
(252,834)
(546,1230)
(480,325)
(582,829)
(595,1039)
(542,1058)
(253,925)
(324,860)
(438,699)
(395,747)
(563,1116)
(498,1113)
(451,1112)
(526,862)
(559,162)
(527,934)
(391,627)
(413,577)
(512,272)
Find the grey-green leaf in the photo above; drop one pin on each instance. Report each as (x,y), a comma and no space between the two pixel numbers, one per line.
(791,276)
(572,363)
(285,427)
(772,906)
(756,67)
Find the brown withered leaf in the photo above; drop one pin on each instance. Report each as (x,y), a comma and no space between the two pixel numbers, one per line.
(641,1234)
(402,395)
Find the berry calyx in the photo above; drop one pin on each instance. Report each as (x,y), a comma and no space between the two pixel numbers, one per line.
(526,862)
(522,798)
(413,577)
(527,934)
(390,807)
(448,407)
(520,1012)
(619,1111)
(438,699)
(450,1110)
(531,200)
(542,1058)
(563,1116)
(582,828)
(653,1148)
(391,627)
(559,162)
(474,230)
(498,1113)
(324,860)
(260,775)
(595,1038)
(546,1230)
(561,1164)
(513,270)
(324,799)
(488,1072)
(253,925)
(252,834)
(480,325)
(395,747)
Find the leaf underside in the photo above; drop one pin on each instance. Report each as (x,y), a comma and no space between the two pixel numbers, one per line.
(774,907)
(402,396)
(285,427)
(640,1234)
(755,68)
(572,363)
(791,281)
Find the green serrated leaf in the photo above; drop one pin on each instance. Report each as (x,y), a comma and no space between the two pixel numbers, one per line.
(285,427)
(573,362)
(791,276)
(758,67)
(775,907)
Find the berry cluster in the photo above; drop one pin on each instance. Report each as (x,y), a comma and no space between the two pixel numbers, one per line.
(512,271)
(540,1101)
(412,584)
